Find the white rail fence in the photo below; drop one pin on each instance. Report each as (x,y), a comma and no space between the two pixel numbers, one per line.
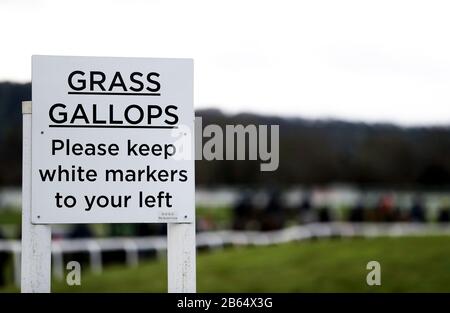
(216,239)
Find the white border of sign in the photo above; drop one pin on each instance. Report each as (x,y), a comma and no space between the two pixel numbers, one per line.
(166,190)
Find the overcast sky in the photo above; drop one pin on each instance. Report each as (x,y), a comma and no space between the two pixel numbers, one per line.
(385,61)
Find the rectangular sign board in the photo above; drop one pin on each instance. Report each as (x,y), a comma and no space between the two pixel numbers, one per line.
(112,140)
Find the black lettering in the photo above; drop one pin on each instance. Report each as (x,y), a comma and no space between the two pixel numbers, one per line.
(183,175)
(153,82)
(111,116)
(79,114)
(136,81)
(174,116)
(47,174)
(56,147)
(62,115)
(95,119)
(82,82)
(151,115)
(99,82)
(114,175)
(131,148)
(114,83)
(128,117)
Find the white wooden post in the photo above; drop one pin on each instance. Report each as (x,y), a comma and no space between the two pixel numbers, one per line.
(36,239)
(181,251)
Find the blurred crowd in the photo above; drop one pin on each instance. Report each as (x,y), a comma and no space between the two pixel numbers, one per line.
(274,213)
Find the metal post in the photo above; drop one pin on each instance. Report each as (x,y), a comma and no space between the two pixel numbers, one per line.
(36,239)
(181,251)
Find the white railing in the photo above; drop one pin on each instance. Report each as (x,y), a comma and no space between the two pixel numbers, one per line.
(217,239)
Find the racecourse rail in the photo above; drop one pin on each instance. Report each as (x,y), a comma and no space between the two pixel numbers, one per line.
(217,239)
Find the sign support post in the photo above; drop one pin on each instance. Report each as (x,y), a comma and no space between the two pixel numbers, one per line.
(36,239)
(181,250)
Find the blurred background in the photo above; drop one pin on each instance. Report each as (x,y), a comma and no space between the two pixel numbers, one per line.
(361,93)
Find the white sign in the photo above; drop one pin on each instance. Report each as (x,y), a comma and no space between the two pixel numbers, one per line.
(112,140)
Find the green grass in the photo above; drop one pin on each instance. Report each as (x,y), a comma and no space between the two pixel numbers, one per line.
(407,265)
(10,216)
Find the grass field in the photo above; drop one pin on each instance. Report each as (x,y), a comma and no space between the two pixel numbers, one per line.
(407,265)
(10,216)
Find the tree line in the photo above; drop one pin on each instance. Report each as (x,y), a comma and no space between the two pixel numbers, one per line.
(312,152)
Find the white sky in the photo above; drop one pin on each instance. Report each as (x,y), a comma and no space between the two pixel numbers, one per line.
(356,60)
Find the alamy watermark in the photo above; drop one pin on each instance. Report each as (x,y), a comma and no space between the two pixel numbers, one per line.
(232,142)
(73,277)
(373,278)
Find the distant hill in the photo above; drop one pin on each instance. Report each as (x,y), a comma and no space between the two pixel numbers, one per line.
(331,151)
(311,151)
(11,97)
